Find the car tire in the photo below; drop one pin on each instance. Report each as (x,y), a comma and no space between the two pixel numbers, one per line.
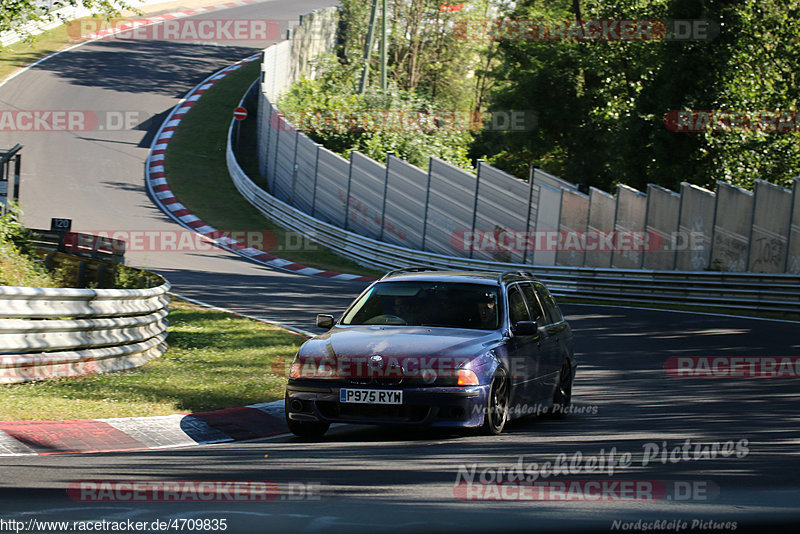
(307,429)
(562,397)
(497,406)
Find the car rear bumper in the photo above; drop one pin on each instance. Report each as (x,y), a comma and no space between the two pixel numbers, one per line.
(433,406)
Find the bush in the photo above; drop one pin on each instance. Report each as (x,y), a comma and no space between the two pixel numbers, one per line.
(329,110)
(20,265)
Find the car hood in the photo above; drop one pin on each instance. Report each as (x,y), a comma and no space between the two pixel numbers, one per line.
(400,342)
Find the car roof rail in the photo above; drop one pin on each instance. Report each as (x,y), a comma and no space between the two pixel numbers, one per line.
(409,270)
(522,274)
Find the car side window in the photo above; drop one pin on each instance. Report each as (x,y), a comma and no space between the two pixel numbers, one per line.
(537,314)
(517,310)
(549,303)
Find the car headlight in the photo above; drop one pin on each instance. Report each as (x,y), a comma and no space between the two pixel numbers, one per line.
(467,377)
(312,369)
(295,371)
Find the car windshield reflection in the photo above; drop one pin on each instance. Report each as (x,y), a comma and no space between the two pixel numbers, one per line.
(434,304)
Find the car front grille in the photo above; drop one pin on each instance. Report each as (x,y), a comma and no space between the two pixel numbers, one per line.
(385,412)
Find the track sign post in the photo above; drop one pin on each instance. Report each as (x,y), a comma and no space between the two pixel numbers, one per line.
(240,114)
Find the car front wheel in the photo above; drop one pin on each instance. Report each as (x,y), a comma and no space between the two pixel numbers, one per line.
(562,397)
(497,406)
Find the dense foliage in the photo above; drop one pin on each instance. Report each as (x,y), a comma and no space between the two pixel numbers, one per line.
(15,14)
(19,263)
(329,110)
(602,104)
(605,108)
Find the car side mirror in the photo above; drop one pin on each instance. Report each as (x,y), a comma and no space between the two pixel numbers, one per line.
(325,321)
(525,328)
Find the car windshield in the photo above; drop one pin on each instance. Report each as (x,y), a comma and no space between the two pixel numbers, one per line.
(453,305)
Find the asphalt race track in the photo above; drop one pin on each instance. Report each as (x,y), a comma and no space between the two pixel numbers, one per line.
(629,412)
(96,178)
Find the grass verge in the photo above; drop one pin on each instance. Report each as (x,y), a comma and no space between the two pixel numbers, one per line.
(21,54)
(215,360)
(198,176)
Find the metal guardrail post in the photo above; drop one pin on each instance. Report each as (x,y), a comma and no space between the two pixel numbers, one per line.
(347,193)
(294,169)
(314,188)
(427,203)
(528,215)
(475,203)
(274,172)
(385,193)
(266,142)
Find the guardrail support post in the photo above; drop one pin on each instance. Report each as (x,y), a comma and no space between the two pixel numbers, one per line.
(385,192)
(475,204)
(347,194)
(528,215)
(427,204)
(314,188)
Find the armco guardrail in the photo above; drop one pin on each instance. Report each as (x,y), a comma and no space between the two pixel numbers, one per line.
(50,332)
(80,244)
(694,229)
(735,291)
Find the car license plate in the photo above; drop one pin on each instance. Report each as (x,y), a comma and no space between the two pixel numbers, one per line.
(371,396)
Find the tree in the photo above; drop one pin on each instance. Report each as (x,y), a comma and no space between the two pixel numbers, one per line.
(602,104)
(15,14)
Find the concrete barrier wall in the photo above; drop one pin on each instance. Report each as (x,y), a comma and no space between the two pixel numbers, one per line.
(572,224)
(695,226)
(793,255)
(367,187)
(305,173)
(602,208)
(493,216)
(734,215)
(548,219)
(501,206)
(630,219)
(450,207)
(330,196)
(663,210)
(770,230)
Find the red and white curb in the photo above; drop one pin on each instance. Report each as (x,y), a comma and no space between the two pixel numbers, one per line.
(161,193)
(25,438)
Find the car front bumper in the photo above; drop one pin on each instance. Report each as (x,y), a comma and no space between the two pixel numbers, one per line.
(430,406)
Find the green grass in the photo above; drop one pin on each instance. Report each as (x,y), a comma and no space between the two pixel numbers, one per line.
(215,360)
(20,54)
(198,175)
